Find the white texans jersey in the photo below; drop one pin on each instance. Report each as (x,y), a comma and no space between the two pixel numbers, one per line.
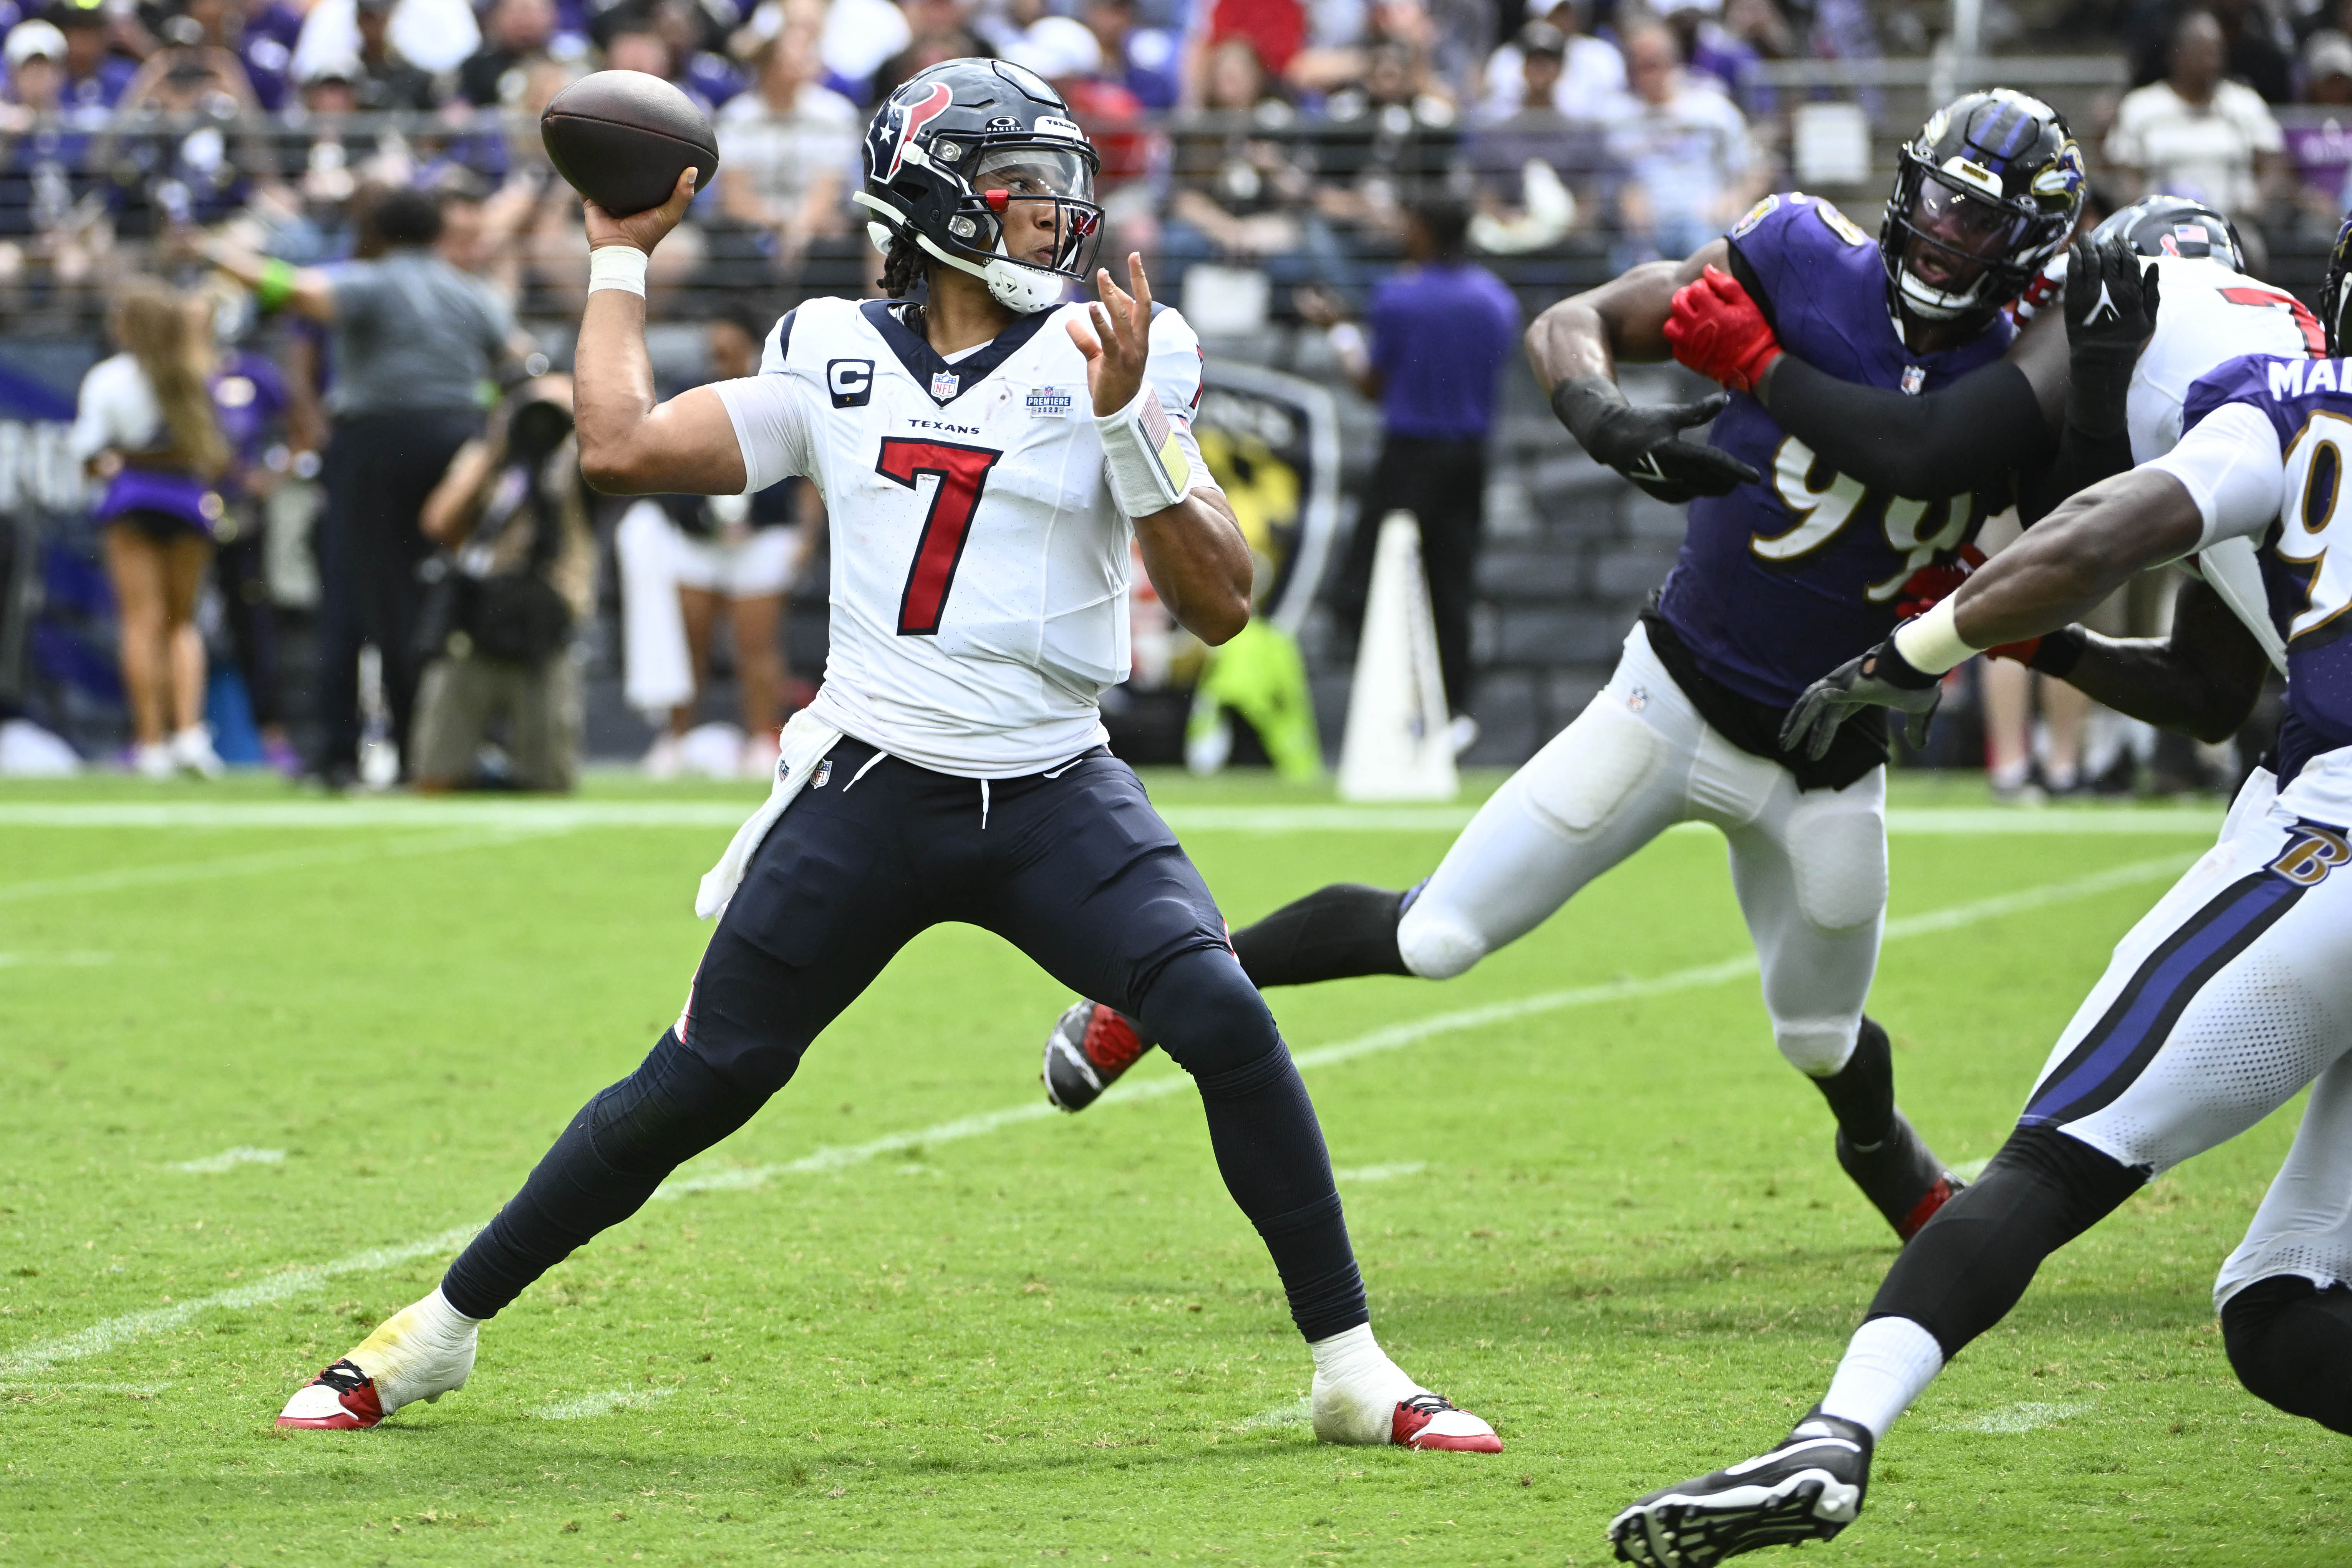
(2206,316)
(980,566)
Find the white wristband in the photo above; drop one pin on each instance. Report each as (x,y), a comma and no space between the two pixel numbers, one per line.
(1148,471)
(621,266)
(1931,643)
(1348,345)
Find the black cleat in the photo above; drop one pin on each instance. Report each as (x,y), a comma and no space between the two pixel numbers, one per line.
(1091,1044)
(1901,1175)
(1806,1488)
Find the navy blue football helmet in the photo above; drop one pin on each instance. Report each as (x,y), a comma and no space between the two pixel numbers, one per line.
(950,152)
(2176,226)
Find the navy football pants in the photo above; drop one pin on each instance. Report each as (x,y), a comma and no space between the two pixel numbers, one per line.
(1074,868)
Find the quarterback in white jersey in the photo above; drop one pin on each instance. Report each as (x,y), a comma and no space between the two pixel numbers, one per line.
(980,572)
(989,458)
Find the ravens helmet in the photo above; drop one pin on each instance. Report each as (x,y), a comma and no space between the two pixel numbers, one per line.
(965,145)
(2176,226)
(2334,298)
(1984,195)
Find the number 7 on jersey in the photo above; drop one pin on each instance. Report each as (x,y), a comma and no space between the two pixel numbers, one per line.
(962,473)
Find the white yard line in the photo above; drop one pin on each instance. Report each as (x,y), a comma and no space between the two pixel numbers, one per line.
(269,860)
(1380,1173)
(228,1159)
(605,1403)
(2011,1419)
(572,815)
(17,1365)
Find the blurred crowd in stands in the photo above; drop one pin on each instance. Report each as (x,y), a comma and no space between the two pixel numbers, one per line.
(1282,135)
(1265,151)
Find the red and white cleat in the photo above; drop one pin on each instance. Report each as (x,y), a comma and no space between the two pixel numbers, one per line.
(1430,1421)
(340,1399)
(421,1352)
(1090,1046)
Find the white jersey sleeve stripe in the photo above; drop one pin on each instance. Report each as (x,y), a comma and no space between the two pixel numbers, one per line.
(2233,469)
(771,428)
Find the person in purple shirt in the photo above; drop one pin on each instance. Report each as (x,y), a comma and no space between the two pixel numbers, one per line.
(1431,351)
(96,77)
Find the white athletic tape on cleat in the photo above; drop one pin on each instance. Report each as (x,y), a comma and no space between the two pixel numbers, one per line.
(105,1336)
(230,1158)
(605,1403)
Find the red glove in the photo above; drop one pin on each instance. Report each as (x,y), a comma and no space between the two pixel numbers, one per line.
(2022,652)
(1716,330)
(1922,590)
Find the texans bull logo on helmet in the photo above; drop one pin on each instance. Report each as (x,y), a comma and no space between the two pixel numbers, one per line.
(952,153)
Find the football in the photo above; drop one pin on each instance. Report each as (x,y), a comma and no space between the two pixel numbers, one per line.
(621,139)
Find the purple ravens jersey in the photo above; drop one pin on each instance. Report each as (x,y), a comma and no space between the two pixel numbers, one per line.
(2309,403)
(1781,581)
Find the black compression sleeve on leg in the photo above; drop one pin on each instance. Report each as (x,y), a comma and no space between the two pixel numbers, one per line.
(1862,1094)
(603,1167)
(2290,1344)
(1262,1125)
(1333,933)
(1963,1273)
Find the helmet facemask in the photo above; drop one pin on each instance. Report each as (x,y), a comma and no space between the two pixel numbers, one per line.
(1958,244)
(1026,222)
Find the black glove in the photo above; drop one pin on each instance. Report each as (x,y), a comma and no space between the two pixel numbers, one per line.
(2111,304)
(1879,678)
(1644,444)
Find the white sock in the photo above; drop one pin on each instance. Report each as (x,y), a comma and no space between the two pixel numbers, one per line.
(1888,1363)
(1353,1361)
(442,1320)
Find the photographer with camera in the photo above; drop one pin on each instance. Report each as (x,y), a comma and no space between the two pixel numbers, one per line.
(516,576)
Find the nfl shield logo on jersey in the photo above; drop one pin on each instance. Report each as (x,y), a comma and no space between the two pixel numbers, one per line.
(943,385)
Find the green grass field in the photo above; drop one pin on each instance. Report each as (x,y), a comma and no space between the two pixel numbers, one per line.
(261,1068)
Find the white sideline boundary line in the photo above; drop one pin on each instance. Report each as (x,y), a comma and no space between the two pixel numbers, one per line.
(17,1365)
(566,816)
(268,860)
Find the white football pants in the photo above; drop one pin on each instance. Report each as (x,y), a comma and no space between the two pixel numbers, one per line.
(2225,1000)
(1810,867)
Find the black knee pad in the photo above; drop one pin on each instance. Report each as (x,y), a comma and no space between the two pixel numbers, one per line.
(671,1109)
(1208,1017)
(2290,1342)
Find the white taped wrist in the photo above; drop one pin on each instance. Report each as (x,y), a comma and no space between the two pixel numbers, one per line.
(621,266)
(1931,644)
(1148,471)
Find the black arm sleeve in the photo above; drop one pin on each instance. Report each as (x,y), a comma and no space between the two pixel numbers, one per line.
(1945,443)
(2081,461)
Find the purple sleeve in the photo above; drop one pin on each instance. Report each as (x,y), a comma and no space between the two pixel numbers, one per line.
(2246,379)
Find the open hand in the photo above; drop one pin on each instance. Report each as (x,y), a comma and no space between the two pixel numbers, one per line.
(643,230)
(1879,678)
(1121,338)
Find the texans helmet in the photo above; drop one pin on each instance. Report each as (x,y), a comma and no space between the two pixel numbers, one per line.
(2176,226)
(950,154)
(1984,195)
(2334,298)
